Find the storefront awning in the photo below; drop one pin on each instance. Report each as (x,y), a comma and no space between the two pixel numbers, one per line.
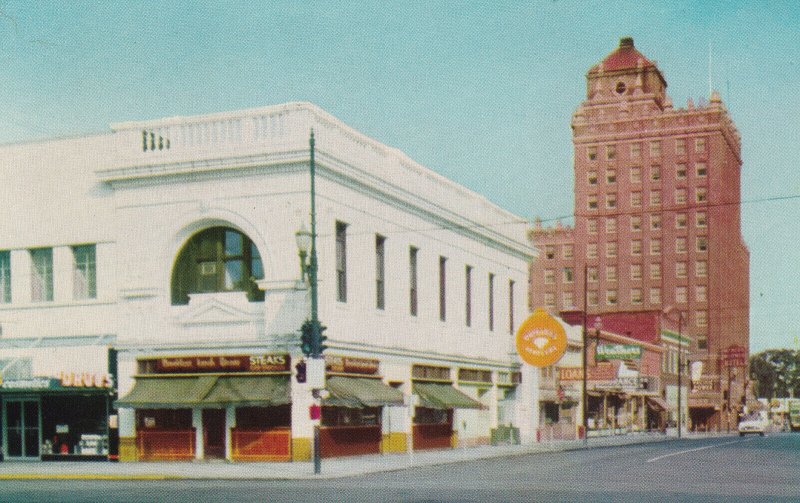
(443,396)
(357,392)
(197,391)
(657,402)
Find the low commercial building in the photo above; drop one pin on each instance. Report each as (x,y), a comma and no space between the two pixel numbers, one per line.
(172,242)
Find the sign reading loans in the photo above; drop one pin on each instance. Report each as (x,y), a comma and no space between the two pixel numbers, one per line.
(541,340)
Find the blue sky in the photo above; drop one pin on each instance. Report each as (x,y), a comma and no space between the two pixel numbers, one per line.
(481,92)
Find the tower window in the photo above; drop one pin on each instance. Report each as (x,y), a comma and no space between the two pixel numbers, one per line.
(620,89)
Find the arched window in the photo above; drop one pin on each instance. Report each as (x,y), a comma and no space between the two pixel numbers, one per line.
(219,259)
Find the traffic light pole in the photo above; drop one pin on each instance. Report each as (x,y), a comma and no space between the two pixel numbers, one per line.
(316,335)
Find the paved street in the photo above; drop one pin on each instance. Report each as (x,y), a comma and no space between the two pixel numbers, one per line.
(711,469)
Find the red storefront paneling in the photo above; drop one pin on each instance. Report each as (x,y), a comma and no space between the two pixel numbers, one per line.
(272,445)
(349,440)
(165,445)
(432,436)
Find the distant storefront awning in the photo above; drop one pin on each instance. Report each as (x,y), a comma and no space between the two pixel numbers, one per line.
(195,391)
(657,402)
(357,392)
(443,396)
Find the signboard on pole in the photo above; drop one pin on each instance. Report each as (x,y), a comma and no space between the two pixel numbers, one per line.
(541,340)
(618,352)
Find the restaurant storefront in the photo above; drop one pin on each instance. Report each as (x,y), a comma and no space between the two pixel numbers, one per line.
(57,418)
(434,413)
(233,407)
(352,414)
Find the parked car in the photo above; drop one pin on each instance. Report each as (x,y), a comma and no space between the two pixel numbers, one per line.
(753,423)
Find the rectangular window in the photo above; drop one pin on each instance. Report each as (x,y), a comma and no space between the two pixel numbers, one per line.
(567,300)
(700,219)
(680,146)
(636,150)
(84,272)
(611,176)
(655,247)
(636,223)
(341,261)
(380,272)
(636,174)
(701,195)
(701,268)
(611,152)
(611,249)
(41,274)
(591,250)
(655,198)
(511,306)
(655,221)
(591,202)
(680,269)
(592,297)
(655,296)
(680,171)
(550,252)
(549,276)
(591,274)
(569,276)
(680,244)
(611,225)
(442,288)
(611,297)
(702,342)
(700,168)
(680,294)
(655,271)
(700,293)
(611,273)
(491,301)
(591,177)
(592,226)
(550,299)
(636,271)
(680,220)
(636,199)
(5,277)
(636,296)
(680,196)
(655,173)
(412,280)
(699,145)
(636,247)
(468,296)
(567,251)
(591,153)
(655,148)
(701,317)
(702,244)
(611,200)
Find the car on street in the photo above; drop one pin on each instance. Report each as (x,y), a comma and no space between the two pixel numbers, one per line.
(753,423)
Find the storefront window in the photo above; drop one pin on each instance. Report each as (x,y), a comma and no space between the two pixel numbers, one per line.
(345,416)
(425,415)
(164,419)
(263,418)
(74,425)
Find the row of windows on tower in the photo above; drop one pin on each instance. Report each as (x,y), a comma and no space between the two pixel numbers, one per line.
(636,272)
(681,146)
(681,221)
(413,281)
(635,297)
(700,170)
(681,197)
(84,274)
(654,247)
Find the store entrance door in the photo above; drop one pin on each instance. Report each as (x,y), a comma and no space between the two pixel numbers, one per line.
(214,433)
(22,432)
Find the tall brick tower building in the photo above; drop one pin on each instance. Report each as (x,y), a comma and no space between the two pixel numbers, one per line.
(657,225)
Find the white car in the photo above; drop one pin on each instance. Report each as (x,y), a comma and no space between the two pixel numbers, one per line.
(752,424)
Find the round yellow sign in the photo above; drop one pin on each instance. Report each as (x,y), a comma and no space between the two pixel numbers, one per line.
(541,340)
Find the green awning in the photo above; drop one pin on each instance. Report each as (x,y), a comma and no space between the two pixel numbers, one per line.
(434,395)
(249,390)
(198,391)
(357,392)
(166,392)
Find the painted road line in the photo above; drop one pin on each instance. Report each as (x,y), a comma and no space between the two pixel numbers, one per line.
(698,449)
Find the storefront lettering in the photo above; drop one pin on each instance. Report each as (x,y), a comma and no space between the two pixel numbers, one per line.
(267,363)
(85,380)
(351,365)
(177,363)
(215,363)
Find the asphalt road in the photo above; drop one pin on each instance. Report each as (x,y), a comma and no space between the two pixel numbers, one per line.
(718,469)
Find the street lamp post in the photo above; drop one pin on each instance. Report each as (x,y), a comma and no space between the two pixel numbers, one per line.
(313,324)
(680,361)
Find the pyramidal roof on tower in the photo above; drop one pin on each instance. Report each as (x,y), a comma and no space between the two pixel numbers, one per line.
(624,57)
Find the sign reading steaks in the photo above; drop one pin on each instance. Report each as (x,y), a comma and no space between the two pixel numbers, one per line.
(215,364)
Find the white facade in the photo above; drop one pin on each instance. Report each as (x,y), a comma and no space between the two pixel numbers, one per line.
(141,192)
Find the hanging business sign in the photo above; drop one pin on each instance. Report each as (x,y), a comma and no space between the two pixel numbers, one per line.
(618,352)
(541,340)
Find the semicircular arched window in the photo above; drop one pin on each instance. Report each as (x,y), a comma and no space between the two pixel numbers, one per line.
(219,259)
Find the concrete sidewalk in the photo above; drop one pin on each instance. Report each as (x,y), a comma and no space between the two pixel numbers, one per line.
(331,468)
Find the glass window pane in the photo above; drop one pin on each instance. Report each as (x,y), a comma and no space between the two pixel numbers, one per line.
(256,267)
(234,275)
(233,243)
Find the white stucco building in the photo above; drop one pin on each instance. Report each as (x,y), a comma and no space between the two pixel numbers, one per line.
(172,242)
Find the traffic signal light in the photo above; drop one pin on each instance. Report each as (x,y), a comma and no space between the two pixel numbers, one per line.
(322,338)
(300,368)
(307,338)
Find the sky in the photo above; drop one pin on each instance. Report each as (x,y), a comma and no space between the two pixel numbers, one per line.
(480,92)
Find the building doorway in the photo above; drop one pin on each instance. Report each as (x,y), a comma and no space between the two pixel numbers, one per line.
(22,432)
(214,433)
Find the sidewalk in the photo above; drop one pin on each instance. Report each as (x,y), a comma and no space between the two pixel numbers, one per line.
(331,468)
